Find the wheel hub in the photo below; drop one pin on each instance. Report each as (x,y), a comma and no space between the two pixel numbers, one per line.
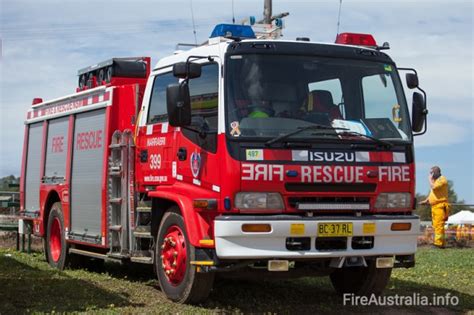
(173,255)
(55,240)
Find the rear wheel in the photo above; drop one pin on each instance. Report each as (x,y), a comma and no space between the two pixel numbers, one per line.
(361,280)
(173,254)
(56,247)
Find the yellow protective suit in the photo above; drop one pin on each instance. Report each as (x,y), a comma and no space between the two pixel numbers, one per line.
(440,209)
(458,233)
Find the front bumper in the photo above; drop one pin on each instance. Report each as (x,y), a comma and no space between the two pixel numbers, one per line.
(232,243)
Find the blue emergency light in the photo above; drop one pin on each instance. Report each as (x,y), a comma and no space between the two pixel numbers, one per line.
(233,30)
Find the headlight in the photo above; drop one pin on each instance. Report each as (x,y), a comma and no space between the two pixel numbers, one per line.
(393,200)
(256,200)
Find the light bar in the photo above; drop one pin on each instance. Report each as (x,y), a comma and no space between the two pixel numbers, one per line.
(356,39)
(233,30)
(332,206)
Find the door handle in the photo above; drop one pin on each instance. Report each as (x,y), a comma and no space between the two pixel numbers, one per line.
(182,154)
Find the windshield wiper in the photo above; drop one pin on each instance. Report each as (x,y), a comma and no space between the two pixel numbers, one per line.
(299,130)
(381,142)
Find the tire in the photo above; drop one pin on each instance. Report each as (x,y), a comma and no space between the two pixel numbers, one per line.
(184,284)
(362,281)
(56,246)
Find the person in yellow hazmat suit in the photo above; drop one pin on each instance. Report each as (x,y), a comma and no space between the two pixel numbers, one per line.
(440,207)
(458,232)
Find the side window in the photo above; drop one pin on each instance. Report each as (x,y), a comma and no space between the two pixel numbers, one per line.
(204,99)
(157,112)
(204,95)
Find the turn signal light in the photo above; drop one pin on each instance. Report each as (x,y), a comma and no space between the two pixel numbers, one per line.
(206,242)
(401,226)
(209,204)
(256,228)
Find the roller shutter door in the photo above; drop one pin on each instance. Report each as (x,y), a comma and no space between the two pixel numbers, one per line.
(87,168)
(33,167)
(56,153)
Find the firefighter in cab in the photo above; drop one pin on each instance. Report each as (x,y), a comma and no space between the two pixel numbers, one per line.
(440,207)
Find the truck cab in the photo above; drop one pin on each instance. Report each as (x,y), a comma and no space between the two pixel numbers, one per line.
(283,154)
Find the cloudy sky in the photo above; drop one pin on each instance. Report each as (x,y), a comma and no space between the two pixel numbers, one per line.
(44,43)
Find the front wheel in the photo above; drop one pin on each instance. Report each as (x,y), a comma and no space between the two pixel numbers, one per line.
(362,281)
(55,244)
(173,254)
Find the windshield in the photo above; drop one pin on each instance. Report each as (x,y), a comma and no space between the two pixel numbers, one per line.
(272,95)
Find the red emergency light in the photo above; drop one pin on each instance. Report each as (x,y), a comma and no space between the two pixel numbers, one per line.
(356,39)
(37,100)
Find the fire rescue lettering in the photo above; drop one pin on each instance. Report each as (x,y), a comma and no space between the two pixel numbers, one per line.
(89,140)
(266,172)
(394,173)
(324,174)
(57,144)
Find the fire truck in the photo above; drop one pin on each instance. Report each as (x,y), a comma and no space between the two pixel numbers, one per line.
(246,154)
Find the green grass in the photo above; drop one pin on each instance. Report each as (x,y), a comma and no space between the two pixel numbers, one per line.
(28,284)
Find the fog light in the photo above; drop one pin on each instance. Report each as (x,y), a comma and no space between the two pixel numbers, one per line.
(256,228)
(384,262)
(278,265)
(401,226)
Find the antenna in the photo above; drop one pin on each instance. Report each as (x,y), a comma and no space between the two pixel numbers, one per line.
(233,14)
(339,17)
(267,12)
(194,25)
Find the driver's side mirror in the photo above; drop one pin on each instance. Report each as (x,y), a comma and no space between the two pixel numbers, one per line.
(178,103)
(419,112)
(412,80)
(187,70)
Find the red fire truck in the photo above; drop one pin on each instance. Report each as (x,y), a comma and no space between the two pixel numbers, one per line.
(243,154)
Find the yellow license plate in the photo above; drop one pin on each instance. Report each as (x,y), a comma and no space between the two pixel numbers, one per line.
(334,229)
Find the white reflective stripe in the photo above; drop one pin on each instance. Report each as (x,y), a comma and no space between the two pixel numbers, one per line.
(299,155)
(399,157)
(174,169)
(179,177)
(101,97)
(78,95)
(196,182)
(332,206)
(216,188)
(149,130)
(103,240)
(81,109)
(164,127)
(89,100)
(362,156)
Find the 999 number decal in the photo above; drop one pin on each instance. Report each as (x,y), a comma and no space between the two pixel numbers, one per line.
(155,161)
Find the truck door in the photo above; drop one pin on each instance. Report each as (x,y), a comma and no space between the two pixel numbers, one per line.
(196,154)
(156,148)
